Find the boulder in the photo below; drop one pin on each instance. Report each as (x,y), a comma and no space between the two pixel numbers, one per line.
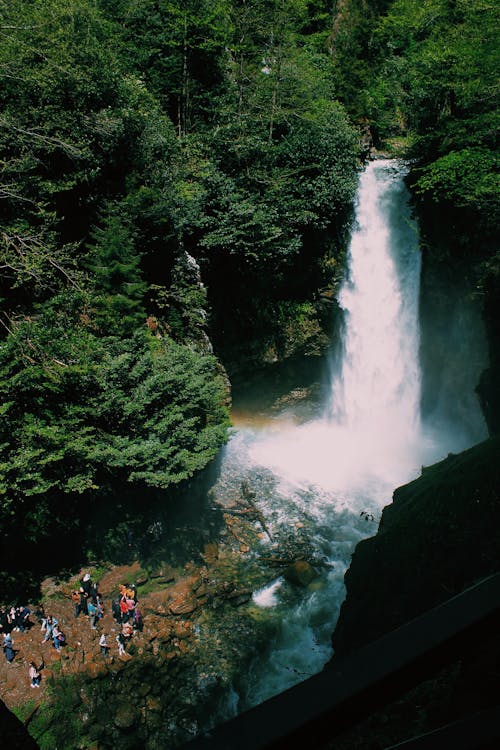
(125,716)
(300,573)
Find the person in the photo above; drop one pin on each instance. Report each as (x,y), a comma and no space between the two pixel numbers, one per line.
(11,616)
(138,621)
(58,637)
(24,619)
(50,623)
(103,643)
(4,621)
(133,592)
(35,675)
(100,608)
(115,609)
(121,640)
(94,593)
(86,584)
(123,609)
(83,601)
(75,598)
(40,615)
(130,607)
(92,610)
(8,650)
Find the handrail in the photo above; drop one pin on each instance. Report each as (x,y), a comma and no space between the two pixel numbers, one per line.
(466,734)
(358,683)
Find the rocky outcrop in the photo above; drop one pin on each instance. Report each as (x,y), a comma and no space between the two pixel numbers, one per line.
(440,535)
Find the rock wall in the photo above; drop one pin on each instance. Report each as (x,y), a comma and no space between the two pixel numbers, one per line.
(440,535)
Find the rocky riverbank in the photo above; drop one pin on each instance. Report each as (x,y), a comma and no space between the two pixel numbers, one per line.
(201,631)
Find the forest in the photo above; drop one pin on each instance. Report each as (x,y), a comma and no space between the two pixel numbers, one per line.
(177,181)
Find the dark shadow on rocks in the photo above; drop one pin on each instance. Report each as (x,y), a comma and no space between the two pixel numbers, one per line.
(148,525)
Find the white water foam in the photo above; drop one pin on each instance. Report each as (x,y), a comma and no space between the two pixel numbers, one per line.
(267,596)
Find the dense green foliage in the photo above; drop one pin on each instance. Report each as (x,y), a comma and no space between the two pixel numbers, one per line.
(424,77)
(178,172)
(430,70)
(168,170)
(81,411)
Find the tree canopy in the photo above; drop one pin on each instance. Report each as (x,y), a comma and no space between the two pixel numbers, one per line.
(171,173)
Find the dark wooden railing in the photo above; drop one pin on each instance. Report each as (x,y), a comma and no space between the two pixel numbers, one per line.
(350,687)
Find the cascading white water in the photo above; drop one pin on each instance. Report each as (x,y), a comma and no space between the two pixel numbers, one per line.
(379,381)
(371,427)
(332,476)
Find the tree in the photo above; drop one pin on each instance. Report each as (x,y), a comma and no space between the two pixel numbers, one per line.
(115,268)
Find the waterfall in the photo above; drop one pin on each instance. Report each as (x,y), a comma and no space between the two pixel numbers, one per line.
(370,431)
(376,391)
(330,477)
(379,382)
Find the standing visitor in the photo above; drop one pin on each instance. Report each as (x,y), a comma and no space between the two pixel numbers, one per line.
(103,643)
(92,610)
(83,601)
(50,623)
(100,608)
(86,584)
(58,637)
(75,598)
(121,640)
(8,650)
(35,675)
(123,609)
(40,615)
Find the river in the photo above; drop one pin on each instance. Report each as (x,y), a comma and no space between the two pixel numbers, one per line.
(323,472)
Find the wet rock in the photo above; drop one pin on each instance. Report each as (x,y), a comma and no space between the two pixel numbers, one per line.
(240,596)
(165,574)
(300,573)
(143,689)
(162,630)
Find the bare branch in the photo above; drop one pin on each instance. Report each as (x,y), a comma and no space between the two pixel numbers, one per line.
(5,193)
(66,275)
(72,150)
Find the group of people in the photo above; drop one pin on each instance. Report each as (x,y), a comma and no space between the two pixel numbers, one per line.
(15,618)
(87,601)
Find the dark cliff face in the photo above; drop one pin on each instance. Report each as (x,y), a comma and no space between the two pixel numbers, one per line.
(489,384)
(14,733)
(440,535)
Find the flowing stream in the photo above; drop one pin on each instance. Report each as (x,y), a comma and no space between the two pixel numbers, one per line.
(325,477)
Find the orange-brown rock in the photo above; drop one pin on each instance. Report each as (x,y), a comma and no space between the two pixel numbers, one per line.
(182,630)
(183,605)
(94,669)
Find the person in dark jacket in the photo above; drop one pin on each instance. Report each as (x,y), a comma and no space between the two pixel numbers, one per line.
(9,652)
